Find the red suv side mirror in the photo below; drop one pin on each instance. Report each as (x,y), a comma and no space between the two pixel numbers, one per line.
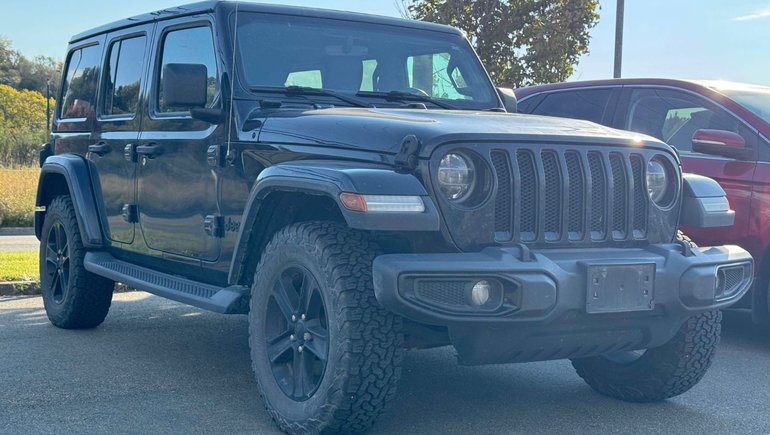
(719,142)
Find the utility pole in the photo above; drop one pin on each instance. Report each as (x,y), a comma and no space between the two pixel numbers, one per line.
(619,38)
(48,107)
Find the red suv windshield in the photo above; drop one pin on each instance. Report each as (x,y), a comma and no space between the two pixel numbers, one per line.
(756,100)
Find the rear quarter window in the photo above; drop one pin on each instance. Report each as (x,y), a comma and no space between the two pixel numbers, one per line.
(588,104)
(80,81)
(527,104)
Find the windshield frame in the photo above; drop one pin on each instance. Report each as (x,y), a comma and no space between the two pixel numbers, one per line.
(484,83)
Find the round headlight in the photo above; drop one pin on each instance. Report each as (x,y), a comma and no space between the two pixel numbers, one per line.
(455,176)
(657,181)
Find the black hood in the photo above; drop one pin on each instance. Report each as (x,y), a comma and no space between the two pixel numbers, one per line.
(383,130)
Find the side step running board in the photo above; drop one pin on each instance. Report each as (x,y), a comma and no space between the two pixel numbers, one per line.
(228,300)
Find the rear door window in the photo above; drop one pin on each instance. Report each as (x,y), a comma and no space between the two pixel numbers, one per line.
(126,60)
(587,104)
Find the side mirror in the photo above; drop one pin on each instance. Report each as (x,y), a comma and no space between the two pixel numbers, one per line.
(720,143)
(509,99)
(185,85)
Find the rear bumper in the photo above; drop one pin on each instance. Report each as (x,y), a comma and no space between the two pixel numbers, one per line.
(554,304)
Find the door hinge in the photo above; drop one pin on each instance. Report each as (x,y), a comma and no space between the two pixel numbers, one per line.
(130,213)
(215,155)
(214,225)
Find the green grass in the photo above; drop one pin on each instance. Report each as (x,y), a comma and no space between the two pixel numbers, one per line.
(19,266)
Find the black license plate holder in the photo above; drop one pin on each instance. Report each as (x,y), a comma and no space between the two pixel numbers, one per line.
(618,288)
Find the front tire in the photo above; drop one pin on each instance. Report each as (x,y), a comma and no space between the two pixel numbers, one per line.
(325,354)
(74,298)
(661,372)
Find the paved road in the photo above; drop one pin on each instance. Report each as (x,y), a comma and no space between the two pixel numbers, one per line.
(18,243)
(159,367)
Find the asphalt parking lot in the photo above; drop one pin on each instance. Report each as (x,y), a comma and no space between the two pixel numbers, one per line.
(18,242)
(156,366)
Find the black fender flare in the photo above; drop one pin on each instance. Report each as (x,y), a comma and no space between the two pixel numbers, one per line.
(75,171)
(329,179)
(704,203)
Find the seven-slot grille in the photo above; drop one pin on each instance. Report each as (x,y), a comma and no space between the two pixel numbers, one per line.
(554,195)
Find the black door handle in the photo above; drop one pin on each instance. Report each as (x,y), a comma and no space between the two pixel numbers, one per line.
(99,149)
(150,151)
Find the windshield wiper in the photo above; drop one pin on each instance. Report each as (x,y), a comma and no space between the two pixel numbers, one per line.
(306,90)
(402,96)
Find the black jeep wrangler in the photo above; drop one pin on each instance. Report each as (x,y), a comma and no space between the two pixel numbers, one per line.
(355,186)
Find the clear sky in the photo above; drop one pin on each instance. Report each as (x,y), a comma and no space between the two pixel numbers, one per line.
(706,39)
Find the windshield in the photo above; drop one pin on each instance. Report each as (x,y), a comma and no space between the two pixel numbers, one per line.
(362,59)
(756,100)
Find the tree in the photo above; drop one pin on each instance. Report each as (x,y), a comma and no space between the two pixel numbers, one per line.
(39,72)
(22,126)
(9,73)
(19,72)
(521,42)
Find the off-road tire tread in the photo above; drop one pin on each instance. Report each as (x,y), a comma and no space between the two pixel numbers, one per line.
(90,294)
(764,285)
(368,366)
(662,372)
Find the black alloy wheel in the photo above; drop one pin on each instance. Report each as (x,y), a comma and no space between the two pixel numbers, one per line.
(57,262)
(297,333)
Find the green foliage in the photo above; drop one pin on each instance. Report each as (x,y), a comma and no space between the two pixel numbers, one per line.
(19,72)
(521,42)
(9,74)
(22,126)
(23,83)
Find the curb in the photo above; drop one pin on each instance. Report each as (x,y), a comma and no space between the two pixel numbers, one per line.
(19,288)
(32,288)
(17,231)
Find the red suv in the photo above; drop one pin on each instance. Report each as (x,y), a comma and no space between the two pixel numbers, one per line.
(721,130)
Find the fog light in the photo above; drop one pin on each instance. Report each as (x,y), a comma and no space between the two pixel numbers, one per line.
(480,293)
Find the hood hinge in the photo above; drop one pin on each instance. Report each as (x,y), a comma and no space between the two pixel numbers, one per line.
(406,159)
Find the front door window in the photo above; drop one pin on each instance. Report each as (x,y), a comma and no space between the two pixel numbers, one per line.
(674,117)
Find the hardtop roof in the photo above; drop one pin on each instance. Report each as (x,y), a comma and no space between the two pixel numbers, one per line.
(228,6)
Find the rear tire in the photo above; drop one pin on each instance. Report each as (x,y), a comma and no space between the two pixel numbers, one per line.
(325,354)
(658,373)
(74,298)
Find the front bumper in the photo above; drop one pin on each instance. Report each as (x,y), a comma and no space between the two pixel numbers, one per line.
(561,303)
